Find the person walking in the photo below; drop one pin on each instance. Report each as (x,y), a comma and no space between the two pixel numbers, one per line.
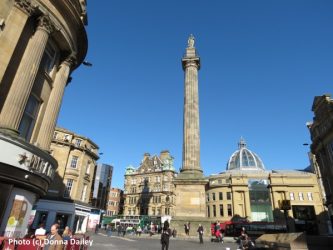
(165,236)
(119,230)
(54,240)
(139,230)
(200,231)
(41,230)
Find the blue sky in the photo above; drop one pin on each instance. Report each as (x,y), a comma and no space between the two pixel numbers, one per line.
(262,63)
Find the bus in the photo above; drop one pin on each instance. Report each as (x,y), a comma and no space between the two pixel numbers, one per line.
(254,229)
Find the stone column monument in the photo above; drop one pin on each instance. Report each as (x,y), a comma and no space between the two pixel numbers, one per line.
(190,183)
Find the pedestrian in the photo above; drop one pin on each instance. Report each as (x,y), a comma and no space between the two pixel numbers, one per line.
(41,230)
(67,234)
(54,240)
(174,233)
(200,231)
(139,230)
(165,236)
(186,228)
(109,230)
(119,230)
(96,228)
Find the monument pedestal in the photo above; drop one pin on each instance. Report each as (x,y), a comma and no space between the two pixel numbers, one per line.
(190,189)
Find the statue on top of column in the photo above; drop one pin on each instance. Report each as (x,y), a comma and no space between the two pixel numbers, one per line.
(190,41)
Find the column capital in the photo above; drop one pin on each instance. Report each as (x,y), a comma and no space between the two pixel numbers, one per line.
(191,62)
(25,6)
(70,61)
(45,23)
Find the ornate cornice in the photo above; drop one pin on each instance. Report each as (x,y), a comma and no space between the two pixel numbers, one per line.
(45,23)
(25,6)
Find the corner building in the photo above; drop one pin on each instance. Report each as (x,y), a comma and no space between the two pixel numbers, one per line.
(321,130)
(68,198)
(41,43)
(247,190)
(149,189)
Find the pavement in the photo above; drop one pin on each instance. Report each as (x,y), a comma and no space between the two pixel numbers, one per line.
(102,241)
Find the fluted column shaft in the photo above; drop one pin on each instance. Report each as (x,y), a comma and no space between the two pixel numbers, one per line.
(22,84)
(191,143)
(53,106)
(10,36)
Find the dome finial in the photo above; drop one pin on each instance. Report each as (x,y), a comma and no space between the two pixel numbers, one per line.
(241,143)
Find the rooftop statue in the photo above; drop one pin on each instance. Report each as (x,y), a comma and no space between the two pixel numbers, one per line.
(190,41)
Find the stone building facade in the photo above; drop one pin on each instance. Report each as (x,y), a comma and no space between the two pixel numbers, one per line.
(115,204)
(149,189)
(321,130)
(41,43)
(73,182)
(247,190)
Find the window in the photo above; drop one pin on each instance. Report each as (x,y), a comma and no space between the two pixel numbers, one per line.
(78,142)
(55,134)
(29,117)
(207,196)
(74,161)
(221,210)
(167,211)
(229,210)
(219,181)
(292,197)
(213,194)
(220,196)
(69,185)
(48,59)
(214,211)
(154,211)
(66,138)
(310,198)
(300,196)
(158,211)
(208,211)
(84,191)
(228,195)
(157,178)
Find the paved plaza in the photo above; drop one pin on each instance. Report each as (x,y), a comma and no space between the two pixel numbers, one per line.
(102,241)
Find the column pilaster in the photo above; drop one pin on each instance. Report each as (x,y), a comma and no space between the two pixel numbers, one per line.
(22,84)
(53,106)
(14,25)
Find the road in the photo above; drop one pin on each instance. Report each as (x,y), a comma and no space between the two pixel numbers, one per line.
(102,241)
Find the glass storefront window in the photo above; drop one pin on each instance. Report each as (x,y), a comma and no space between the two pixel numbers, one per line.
(261,207)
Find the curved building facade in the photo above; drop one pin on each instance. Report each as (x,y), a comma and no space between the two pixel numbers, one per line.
(41,43)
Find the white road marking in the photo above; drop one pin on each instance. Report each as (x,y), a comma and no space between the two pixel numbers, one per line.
(117,237)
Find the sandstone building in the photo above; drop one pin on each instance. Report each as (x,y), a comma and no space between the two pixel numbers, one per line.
(149,189)
(321,130)
(246,189)
(41,43)
(68,197)
(115,203)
